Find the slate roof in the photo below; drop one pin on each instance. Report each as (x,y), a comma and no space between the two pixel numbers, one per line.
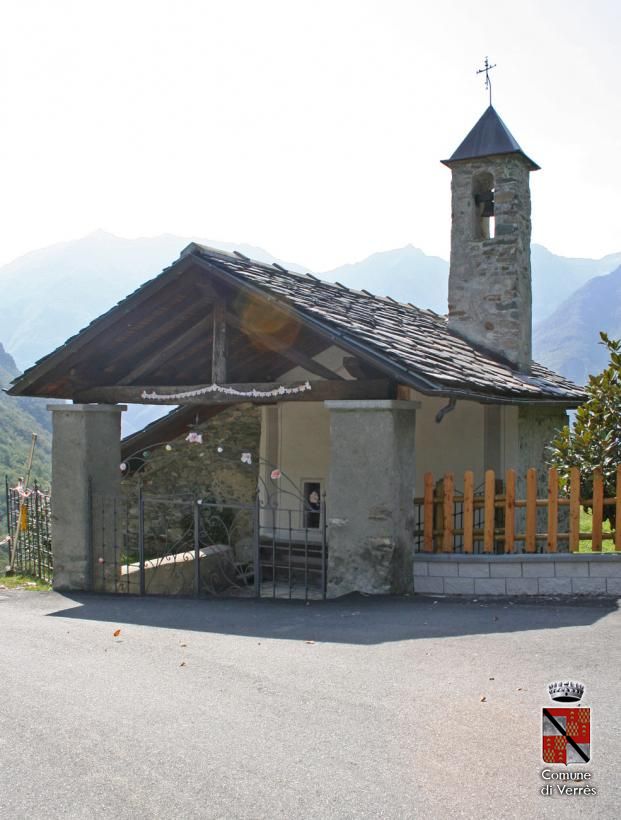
(489,136)
(416,344)
(411,345)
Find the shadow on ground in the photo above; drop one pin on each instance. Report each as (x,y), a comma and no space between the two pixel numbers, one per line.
(354,619)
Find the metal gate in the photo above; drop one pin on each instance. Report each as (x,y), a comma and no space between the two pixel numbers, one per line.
(182,545)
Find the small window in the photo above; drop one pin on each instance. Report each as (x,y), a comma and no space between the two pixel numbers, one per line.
(312,504)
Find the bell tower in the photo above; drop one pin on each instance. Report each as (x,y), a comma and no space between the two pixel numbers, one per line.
(490,300)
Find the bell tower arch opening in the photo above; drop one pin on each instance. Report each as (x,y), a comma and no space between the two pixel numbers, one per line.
(484,226)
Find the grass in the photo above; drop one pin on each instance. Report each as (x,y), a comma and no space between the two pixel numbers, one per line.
(586,525)
(24,582)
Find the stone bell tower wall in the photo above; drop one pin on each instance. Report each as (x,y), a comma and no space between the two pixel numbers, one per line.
(490,296)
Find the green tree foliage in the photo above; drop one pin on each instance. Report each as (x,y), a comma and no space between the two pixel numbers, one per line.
(595,438)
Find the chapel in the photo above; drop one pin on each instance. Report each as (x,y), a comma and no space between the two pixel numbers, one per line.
(359,396)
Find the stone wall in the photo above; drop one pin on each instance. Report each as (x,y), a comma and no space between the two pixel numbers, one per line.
(518,574)
(212,468)
(490,300)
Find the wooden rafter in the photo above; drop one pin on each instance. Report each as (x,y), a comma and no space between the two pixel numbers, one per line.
(160,357)
(186,313)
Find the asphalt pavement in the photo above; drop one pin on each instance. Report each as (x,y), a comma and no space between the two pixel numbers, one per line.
(356,708)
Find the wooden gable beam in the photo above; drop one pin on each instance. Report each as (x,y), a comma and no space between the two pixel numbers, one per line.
(319,391)
(291,354)
(219,346)
(160,357)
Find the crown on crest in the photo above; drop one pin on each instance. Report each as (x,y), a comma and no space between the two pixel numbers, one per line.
(566,691)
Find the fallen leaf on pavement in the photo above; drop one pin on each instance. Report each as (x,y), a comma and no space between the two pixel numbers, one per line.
(183,663)
(483,698)
(309,641)
(116,633)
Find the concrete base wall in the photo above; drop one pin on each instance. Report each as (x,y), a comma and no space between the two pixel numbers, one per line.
(518,574)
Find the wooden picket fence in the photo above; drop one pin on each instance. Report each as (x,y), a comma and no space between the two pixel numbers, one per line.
(485,520)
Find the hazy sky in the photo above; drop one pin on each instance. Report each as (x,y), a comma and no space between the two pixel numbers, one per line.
(313,128)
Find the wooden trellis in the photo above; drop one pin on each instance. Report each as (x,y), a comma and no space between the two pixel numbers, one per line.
(490,518)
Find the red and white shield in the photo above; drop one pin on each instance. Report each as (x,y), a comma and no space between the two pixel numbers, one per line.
(567,735)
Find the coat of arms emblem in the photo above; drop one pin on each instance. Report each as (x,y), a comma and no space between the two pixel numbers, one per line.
(567,729)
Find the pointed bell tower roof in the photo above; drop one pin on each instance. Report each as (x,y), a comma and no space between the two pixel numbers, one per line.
(490,136)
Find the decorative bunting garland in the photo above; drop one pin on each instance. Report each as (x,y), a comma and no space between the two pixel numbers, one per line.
(229,391)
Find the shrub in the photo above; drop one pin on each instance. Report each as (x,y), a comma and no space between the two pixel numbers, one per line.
(594,440)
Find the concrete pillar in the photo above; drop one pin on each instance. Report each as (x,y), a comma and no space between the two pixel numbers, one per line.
(86,446)
(369,496)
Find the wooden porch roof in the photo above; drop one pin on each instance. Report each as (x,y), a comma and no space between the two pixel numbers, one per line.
(218,317)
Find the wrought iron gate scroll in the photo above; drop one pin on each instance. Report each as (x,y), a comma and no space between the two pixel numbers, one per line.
(183,545)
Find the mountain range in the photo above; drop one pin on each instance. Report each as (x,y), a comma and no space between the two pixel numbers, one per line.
(568,341)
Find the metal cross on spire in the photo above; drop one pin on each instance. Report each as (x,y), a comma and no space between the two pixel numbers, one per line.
(488,83)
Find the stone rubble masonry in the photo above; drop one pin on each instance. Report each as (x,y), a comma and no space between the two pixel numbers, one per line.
(518,574)
(200,469)
(490,293)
